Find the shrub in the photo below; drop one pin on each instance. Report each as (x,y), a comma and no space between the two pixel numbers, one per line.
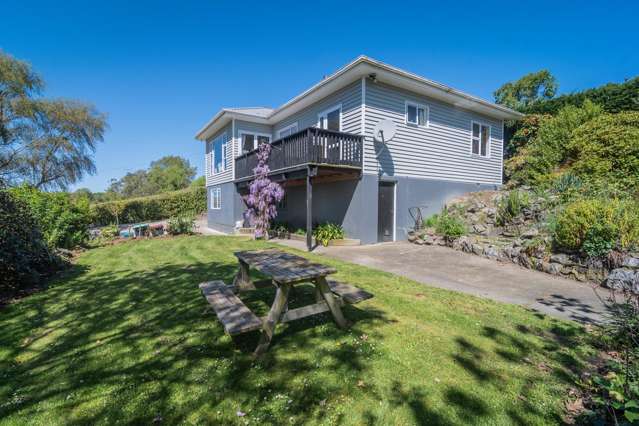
(547,152)
(617,392)
(63,222)
(431,221)
(511,206)
(450,226)
(328,231)
(606,149)
(25,257)
(109,232)
(156,207)
(595,226)
(180,225)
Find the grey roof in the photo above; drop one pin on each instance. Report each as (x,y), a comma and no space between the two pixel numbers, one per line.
(256,111)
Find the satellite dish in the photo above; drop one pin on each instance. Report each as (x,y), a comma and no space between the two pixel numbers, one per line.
(384,131)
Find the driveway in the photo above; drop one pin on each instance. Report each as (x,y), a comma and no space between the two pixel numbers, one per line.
(453,270)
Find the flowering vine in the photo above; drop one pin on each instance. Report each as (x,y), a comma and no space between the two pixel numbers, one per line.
(263,194)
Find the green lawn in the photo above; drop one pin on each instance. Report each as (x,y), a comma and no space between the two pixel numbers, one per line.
(126,337)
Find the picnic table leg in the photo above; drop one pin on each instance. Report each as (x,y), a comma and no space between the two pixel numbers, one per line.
(242,280)
(325,291)
(273,317)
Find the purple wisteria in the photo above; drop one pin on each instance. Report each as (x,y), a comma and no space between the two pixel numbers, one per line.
(263,194)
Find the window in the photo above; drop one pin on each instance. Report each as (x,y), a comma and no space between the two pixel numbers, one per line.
(250,141)
(216,198)
(416,114)
(331,119)
(287,131)
(218,161)
(480,139)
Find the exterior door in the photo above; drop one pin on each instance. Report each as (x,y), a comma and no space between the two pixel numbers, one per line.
(386,212)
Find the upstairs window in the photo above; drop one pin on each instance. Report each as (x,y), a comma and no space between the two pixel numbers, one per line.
(217,161)
(331,119)
(287,131)
(250,141)
(480,139)
(416,115)
(220,162)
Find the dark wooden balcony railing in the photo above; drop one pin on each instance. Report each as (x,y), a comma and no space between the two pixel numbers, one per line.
(309,146)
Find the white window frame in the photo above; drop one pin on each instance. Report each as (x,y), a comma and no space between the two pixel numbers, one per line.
(255,135)
(417,107)
(289,127)
(216,193)
(329,110)
(490,136)
(223,137)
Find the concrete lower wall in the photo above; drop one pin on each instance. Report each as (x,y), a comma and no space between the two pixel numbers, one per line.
(351,203)
(433,194)
(224,219)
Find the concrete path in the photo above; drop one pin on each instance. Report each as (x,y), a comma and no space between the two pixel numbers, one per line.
(453,270)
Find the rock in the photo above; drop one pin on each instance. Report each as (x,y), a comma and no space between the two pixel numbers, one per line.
(517,242)
(551,268)
(562,259)
(428,240)
(623,279)
(491,252)
(596,275)
(508,232)
(491,212)
(478,249)
(412,238)
(525,261)
(464,244)
(476,207)
(630,262)
(511,252)
(478,228)
(531,233)
(420,242)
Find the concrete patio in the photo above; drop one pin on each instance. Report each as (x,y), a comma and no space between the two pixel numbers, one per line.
(452,270)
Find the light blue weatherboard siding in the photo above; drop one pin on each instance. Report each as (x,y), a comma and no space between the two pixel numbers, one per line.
(351,99)
(441,151)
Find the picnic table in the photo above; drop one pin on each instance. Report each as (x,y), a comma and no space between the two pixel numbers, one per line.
(285,270)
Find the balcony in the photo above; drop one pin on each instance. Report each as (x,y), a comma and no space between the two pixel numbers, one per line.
(312,146)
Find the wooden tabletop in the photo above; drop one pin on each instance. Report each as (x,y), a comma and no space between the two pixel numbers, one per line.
(283,267)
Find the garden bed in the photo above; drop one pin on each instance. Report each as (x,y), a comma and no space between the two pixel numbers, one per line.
(524,239)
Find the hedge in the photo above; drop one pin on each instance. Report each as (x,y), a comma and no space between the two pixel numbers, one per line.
(25,257)
(612,97)
(155,207)
(63,221)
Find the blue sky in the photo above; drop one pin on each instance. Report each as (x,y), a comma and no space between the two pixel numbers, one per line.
(160,69)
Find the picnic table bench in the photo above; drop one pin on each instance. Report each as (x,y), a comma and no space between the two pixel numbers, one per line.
(285,271)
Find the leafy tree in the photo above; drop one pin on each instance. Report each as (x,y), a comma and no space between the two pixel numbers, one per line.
(171,173)
(46,143)
(134,184)
(526,91)
(200,181)
(167,174)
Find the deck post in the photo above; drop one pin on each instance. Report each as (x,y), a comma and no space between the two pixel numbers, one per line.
(309,210)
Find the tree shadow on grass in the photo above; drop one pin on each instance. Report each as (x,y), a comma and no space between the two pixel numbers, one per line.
(542,352)
(143,345)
